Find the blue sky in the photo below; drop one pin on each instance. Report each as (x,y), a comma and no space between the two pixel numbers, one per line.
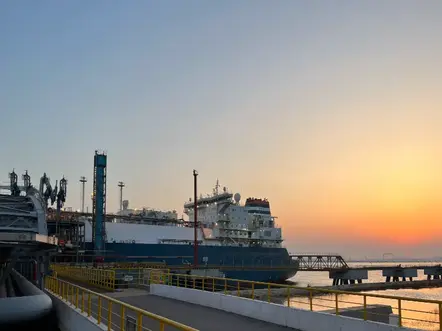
(278,99)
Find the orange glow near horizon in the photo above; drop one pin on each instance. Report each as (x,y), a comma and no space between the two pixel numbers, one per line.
(390,197)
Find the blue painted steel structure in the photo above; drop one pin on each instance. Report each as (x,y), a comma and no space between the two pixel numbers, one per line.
(99,203)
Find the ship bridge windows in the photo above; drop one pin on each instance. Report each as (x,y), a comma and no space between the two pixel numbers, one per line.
(263,212)
(259,203)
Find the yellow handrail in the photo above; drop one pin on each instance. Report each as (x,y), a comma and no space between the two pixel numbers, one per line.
(249,289)
(101,278)
(108,279)
(66,290)
(314,289)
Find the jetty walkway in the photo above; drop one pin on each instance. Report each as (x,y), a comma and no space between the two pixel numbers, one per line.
(192,315)
(190,302)
(196,316)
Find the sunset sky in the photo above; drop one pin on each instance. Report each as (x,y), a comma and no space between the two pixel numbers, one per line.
(330,109)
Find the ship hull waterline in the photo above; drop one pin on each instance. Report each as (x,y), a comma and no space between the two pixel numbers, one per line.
(260,264)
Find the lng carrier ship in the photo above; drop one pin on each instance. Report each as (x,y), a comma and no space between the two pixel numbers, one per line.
(243,239)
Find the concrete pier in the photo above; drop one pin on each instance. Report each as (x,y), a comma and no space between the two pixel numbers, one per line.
(348,276)
(399,273)
(433,272)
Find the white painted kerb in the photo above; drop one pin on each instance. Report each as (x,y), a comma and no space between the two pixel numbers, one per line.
(304,320)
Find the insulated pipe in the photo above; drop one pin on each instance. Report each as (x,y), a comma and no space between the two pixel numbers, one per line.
(32,305)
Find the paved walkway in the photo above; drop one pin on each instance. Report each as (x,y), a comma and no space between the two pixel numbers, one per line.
(199,317)
(196,316)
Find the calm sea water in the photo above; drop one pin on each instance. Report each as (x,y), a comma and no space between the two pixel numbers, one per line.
(320,278)
(415,314)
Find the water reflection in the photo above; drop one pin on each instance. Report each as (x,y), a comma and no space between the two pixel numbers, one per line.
(414,314)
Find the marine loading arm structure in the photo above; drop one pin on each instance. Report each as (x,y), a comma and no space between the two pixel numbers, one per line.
(23,226)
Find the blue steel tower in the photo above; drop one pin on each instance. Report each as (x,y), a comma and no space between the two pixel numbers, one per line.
(99,203)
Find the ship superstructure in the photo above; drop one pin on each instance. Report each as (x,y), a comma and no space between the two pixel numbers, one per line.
(224,221)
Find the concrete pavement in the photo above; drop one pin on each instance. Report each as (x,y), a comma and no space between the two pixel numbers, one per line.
(196,316)
(199,317)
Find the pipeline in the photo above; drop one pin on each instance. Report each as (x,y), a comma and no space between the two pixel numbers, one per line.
(26,306)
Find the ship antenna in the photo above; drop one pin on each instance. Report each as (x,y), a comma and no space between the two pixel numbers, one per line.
(216,187)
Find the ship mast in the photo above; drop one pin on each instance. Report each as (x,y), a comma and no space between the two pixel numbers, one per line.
(216,187)
(195,219)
